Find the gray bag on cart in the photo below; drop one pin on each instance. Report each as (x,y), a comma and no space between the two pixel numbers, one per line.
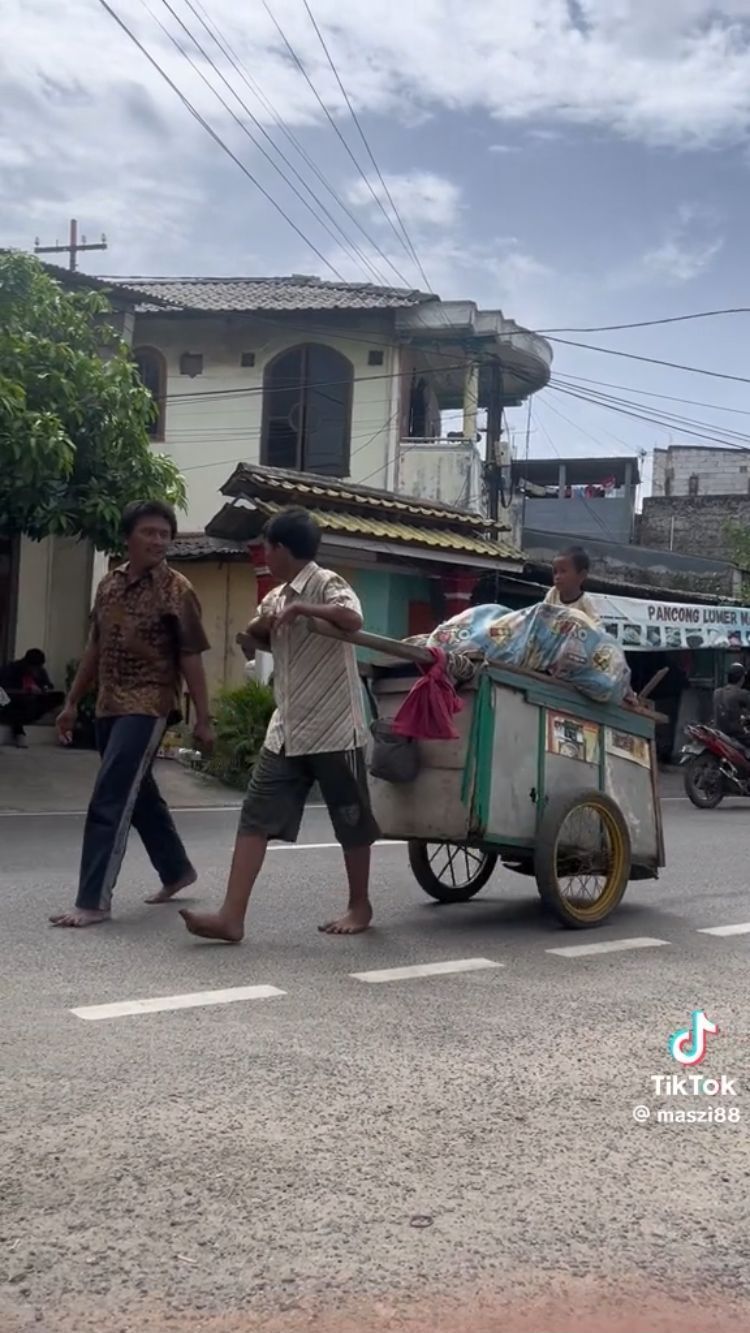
(393,758)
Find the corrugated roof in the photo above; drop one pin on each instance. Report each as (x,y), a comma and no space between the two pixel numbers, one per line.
(269,482)
(433,539)
(245,295)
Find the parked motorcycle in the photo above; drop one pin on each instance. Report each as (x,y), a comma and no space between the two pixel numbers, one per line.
(716,765)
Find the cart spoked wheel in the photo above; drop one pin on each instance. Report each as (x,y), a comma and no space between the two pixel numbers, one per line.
(582,859)
(450,871)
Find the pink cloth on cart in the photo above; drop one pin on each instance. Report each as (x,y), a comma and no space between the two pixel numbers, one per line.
(427,710)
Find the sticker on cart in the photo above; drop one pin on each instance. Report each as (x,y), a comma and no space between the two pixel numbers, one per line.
(572,739)
(623,745)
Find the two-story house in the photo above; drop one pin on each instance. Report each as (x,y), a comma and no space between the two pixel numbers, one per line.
(348,382)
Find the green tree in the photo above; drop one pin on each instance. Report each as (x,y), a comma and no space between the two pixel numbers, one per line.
(74,444)
(738,542)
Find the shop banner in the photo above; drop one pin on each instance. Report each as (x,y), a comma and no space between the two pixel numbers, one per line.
(641,626)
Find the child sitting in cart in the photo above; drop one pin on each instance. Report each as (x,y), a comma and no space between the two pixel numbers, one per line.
(569,573)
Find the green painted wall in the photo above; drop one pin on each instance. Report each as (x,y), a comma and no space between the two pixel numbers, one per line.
(385,599)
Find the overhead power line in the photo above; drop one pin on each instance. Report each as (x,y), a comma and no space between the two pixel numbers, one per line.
(217,138)
(230,54)
(652,323)
(650,360)
(406,237)
(339,135)
(650,393)
(675,421)
(654,421)
(198,395)
(351,247)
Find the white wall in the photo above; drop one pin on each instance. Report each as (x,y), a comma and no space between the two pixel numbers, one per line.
(451,473)
(719,471)
(207,436)
(54,593)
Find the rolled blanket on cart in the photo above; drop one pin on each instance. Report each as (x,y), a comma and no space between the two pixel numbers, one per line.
(468,632)
(551,639)
(562,643)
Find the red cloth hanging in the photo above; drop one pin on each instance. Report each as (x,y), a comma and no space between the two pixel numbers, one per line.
(425,714)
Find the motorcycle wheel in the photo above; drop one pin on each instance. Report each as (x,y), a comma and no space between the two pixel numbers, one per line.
(704,784)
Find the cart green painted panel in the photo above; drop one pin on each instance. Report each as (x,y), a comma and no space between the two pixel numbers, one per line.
(541,780)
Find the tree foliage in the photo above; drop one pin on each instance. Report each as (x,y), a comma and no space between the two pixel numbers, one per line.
(74,443)
(738,540)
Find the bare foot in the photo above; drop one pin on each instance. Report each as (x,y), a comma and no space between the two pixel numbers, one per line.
(353,923)
(78,917)
(168,891)
(211,926)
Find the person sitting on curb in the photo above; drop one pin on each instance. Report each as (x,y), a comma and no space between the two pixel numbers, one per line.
(31,694)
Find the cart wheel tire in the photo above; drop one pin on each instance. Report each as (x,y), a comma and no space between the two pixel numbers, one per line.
(704,785)
(466,870)
(600,878)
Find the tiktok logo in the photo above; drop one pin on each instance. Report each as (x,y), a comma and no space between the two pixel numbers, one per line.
(688,1045)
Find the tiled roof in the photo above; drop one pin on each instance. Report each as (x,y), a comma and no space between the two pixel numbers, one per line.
(78,281)
(307,487)
(245,295)
(197,546)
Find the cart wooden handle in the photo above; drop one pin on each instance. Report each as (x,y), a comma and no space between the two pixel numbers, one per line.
(405,652)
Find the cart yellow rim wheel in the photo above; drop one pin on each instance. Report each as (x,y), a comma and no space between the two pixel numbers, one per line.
(582,859)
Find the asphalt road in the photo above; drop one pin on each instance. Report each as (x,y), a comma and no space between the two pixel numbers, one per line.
(451,1151)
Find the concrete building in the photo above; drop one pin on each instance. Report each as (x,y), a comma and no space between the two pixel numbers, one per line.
(699,496)
(576,498)
(695,525)
(672,544)
(693,469)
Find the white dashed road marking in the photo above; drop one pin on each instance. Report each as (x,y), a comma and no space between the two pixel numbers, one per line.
(607,946)
(425,970)
(742,928)
(194,1000)
(326,846)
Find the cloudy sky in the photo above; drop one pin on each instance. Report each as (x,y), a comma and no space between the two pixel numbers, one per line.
(575,162)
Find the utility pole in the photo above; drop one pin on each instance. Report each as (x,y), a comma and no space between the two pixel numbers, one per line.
(526,459)
(73,247)
(494,431)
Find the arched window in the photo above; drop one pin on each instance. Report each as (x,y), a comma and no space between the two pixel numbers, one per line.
(152,369)
(307,411)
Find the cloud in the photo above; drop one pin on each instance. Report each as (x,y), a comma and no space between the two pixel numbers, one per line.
(676,71)
(421,197)
(503,148)
(690,243)
(91,130)
(547,136)
(679,261)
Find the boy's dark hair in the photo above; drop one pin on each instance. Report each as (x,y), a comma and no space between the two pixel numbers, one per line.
(133,513)
(579,557)
(736,673)
(295,530)
(34,657)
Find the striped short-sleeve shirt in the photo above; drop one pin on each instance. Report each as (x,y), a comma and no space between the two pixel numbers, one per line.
(319,705)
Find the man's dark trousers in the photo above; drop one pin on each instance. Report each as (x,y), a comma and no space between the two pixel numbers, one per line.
(126,793)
